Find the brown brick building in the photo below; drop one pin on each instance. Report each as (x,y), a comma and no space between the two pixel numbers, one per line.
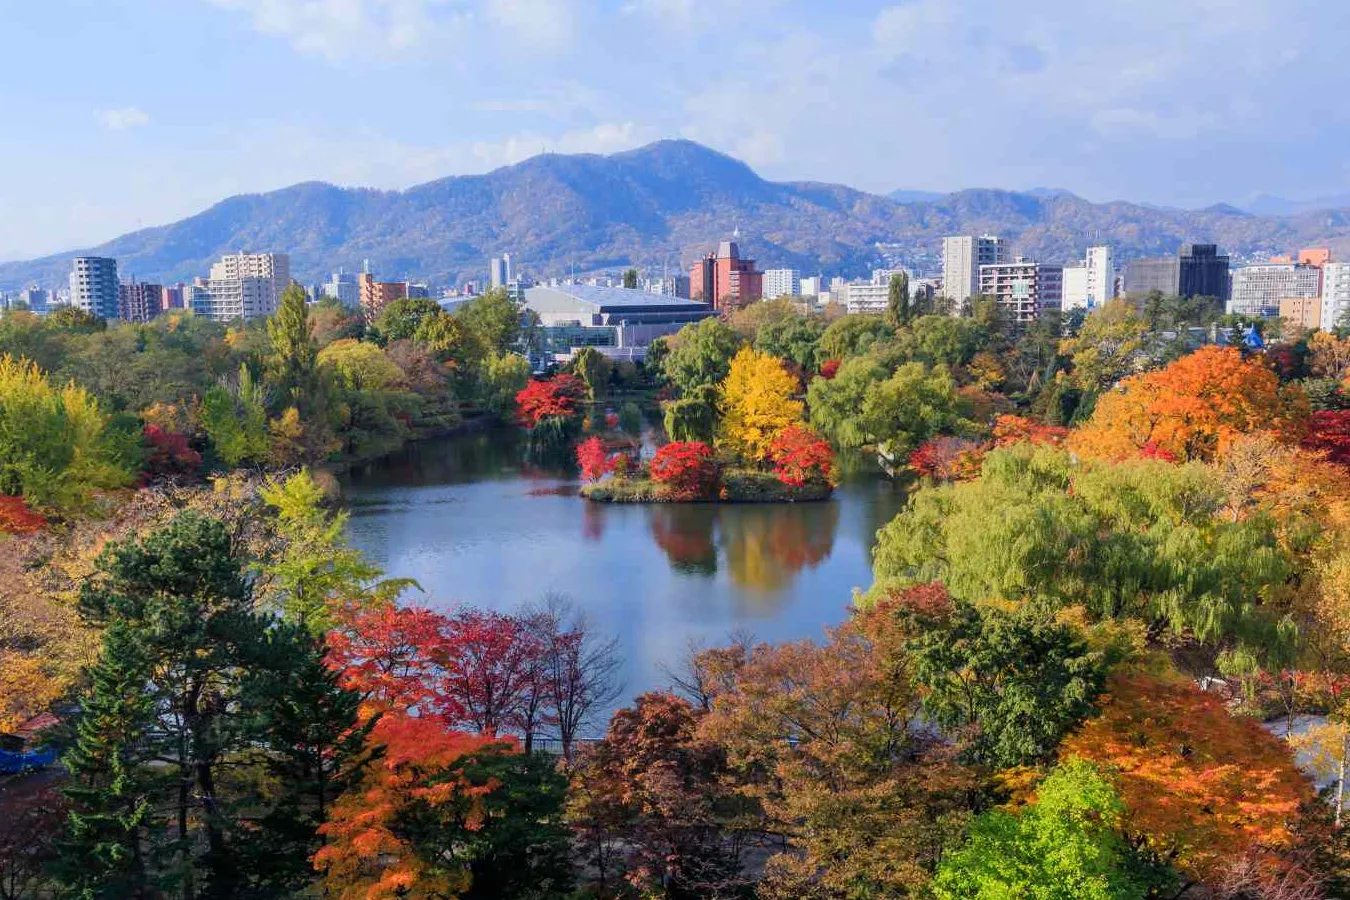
(724,280)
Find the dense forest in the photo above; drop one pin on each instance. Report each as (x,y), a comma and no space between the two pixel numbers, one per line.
(1121,577)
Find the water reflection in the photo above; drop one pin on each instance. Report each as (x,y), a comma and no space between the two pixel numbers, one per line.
(473,523)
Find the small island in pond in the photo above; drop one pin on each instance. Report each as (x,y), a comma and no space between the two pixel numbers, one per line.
(740,438)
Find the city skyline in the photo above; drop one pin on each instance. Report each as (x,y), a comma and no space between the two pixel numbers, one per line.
(1145,101)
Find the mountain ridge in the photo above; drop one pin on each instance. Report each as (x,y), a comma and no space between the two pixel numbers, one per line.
(656,206)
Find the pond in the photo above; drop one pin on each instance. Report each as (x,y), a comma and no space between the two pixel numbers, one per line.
(475,523)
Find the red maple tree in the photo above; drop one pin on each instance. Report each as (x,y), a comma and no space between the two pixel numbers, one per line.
(1329,434)
(687,469)
(394,658)
(594,462)
(546,398)
(947,458)
(1015,429)
(829,368)
(490,666)
(167,453)
(800,455)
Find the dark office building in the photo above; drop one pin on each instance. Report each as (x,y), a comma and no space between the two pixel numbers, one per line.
(1202,272)
(1144,276)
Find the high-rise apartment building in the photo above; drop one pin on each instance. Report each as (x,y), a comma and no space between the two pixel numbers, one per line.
(1335,294)
(139,302)
(375,295)
(35,298)
(1024,290)
(1092,282)
(810,286)
(231,299)
(962,257)
(1301,312)
(93,285)
(782,283)
(1202,272)
(1258,290)
(499,271)
(171,297)
(272,268)
(725,280)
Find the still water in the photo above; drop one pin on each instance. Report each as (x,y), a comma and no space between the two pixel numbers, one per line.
(475,523)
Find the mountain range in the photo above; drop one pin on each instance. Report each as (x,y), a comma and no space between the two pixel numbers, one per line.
(659,207)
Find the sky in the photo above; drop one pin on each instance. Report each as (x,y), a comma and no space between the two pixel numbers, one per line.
(121,115)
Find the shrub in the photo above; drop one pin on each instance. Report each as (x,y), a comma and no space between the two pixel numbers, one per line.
(592,459)
(686,469)
(800,455)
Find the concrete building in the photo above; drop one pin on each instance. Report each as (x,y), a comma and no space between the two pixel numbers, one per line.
(1258,290)
(1092,282)
(272,268)
(810,286)
(342,286)
(782,283)
(93,285)
(862,297)
(962,257)
(1314,256)
(1202,272)
(231,299)
(376,295)
(171,296)
(620,322)
(1302,312)
(1335,294)
(1144,276)
(1024,290)
(725,280)
(499,271)
(35,298)
(669,286)
(139,302)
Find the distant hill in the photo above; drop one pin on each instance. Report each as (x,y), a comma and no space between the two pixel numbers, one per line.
(659,205)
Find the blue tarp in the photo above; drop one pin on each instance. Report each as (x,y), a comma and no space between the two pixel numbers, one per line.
(11,762)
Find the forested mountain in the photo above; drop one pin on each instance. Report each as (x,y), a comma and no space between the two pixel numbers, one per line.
(656,206)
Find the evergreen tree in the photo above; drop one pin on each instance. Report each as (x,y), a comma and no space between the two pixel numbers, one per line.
(630,279)
(194,696)
(109,826)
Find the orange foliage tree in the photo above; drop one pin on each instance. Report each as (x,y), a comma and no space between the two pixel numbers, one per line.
(1201,787)
(1192,409)
(800,455)
(380,840)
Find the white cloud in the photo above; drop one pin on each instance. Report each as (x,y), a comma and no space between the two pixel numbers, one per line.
(123,119)
(540,23)
(338,28)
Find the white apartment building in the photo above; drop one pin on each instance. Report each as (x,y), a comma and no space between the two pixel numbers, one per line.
(1258,290)
(1092,282)
(93,285)
(272,268)
(1024,290)
(962,257)
(499,270)
(228,299)
(782,283)
(810,286)
(1335,293)
(343,287)
(865,297)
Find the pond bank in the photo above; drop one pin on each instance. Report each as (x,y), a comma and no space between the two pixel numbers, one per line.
(738,486)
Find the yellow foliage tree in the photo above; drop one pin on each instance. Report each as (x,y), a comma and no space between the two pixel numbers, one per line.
(759,401)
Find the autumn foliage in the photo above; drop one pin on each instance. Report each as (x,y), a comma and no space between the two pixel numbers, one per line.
(370,852)
(167,453)
(17,518)
(592,459)
(1015,429)
(556,397)
(947,459)
(829,368)
(1200,786)
(1192,408)
(1329,434)
(687,469)
(800,455)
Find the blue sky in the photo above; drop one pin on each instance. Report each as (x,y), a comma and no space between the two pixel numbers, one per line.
(125,114)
